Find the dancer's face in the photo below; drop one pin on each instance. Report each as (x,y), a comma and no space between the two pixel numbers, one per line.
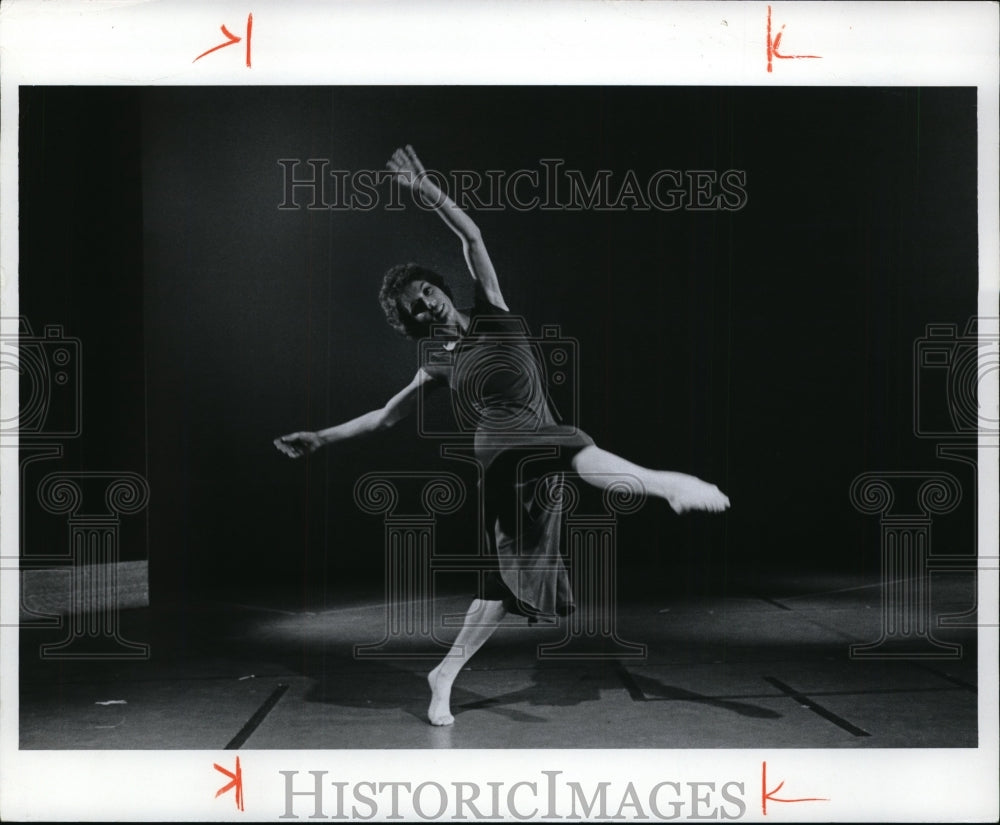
(427,304)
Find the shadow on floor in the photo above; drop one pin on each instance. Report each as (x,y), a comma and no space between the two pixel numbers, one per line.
(384,685)
(654,690)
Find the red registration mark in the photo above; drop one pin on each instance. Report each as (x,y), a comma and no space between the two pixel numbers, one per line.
(773,43)
(235,784)
(231,39)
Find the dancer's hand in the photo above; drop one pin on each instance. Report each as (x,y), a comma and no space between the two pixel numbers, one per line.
(298,444)
(407,166)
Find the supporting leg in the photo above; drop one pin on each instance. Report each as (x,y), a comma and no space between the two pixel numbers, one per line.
(682,492)
(482,618)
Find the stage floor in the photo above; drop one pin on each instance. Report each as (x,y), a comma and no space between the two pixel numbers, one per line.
(773,669)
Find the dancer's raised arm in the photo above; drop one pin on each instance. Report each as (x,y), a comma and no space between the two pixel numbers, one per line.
(395,410)
(410,173)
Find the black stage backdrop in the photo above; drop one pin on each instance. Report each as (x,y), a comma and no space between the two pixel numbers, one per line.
(769,349)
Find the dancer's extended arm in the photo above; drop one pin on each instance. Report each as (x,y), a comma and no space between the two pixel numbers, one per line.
(402,404)
(410,172)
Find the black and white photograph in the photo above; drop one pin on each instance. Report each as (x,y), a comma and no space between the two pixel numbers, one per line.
(379,419)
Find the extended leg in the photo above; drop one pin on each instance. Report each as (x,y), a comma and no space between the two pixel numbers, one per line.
(482,618)
(682,492)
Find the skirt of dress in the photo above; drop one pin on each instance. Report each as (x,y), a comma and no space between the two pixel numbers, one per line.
(523,523)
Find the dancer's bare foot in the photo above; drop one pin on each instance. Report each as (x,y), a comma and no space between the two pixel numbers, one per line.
(439,712)
(684,493)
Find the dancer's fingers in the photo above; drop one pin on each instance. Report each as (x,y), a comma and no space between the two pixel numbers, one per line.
(412,154)
(284,445)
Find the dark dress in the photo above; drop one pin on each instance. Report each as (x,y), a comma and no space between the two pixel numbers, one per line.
(499,395)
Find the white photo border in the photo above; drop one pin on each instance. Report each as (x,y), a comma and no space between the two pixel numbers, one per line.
(627,43)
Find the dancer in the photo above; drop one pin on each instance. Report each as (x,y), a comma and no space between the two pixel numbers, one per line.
(513,418)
